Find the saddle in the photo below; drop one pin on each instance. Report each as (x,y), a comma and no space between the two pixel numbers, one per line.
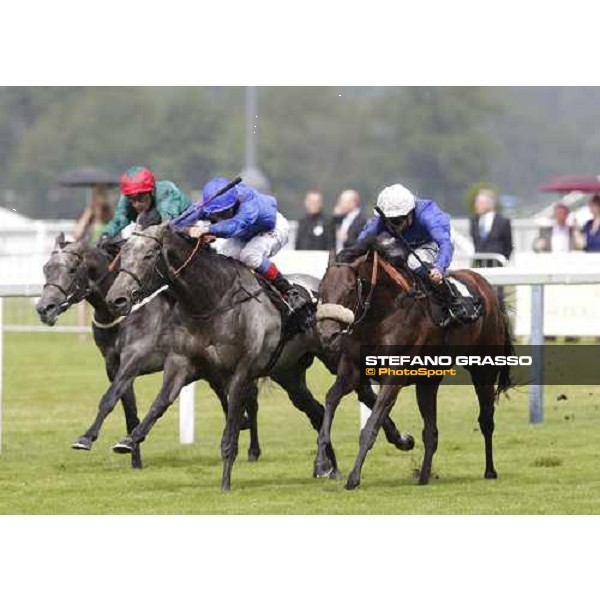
(292,323)
(452,302)
(458,303)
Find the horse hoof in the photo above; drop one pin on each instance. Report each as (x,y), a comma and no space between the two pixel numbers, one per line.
(336,475)
(323,470)
(352,483)
(253,455)
(406,443)
(423,480)
(82,443)
(125,446)
(490,475)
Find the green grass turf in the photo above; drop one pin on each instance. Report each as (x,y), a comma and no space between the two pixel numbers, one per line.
(54,381)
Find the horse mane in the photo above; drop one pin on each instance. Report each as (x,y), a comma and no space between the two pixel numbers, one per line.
(382,244)
(224,267)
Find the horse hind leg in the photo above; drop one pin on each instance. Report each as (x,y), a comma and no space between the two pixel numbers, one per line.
(486,397)
(427,402)
(249,421)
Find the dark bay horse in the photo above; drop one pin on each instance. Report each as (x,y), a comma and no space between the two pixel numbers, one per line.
(227,326)
(368,302)
(135,346)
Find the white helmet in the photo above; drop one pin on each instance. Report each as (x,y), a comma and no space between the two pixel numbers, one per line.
(396,201)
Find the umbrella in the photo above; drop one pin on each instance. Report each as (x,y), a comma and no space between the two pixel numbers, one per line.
(87,177)
(589,184)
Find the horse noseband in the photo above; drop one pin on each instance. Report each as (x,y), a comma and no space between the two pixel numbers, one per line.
(335,312)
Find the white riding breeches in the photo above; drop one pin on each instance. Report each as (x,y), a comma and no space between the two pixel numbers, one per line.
(261,246)
(428,253)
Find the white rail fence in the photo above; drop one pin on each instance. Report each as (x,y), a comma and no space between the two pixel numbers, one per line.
(567,310)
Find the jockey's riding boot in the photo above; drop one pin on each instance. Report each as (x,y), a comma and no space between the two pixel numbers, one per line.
(292,296)
(454,302)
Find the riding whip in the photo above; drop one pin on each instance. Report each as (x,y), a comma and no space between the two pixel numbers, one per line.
(388,223)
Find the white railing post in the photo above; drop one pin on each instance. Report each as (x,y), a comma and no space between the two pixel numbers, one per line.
(1,361)
(365,412)
(187,414)
(536,340)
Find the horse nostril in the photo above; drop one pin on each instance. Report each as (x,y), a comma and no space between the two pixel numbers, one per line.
(120,302)
(44,310)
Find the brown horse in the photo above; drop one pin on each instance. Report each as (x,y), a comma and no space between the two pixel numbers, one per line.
(369,302)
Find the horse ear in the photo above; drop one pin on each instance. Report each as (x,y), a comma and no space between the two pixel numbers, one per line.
(60,242)
(331,260)
(163,230)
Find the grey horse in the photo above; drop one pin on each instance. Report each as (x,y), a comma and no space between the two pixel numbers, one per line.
(135,346)
(225,325)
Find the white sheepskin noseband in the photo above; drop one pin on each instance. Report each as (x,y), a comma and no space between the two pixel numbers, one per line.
(337,312)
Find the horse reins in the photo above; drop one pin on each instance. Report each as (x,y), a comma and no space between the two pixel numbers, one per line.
(362,306)
(189,259)
(367,303)
(219,309)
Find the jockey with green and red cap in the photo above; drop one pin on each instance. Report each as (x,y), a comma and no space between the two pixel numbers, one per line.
(253,229)
(144,199)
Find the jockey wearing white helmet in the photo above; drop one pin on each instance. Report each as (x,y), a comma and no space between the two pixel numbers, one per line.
(396,201)
(425,227)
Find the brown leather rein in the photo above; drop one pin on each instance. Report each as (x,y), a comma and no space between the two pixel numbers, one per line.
(397,277)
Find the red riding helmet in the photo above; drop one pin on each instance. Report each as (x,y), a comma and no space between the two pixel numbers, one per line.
(137,180)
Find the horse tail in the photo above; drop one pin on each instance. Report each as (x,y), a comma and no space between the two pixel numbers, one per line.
(504,380)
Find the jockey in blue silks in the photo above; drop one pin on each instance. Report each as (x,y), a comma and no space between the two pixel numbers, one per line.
(426,229)
(253,229)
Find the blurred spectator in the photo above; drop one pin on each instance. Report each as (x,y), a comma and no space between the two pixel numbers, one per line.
(315,230)
(348,219)
(98,213)
(591,230)
(490,231)
(560,237)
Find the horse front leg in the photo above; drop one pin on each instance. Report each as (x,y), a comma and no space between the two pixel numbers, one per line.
(178,372)
(383,405)
(345,382)
(293,381)
(132,421)
(122,382)
(240,389)
(252,410)
(367,396)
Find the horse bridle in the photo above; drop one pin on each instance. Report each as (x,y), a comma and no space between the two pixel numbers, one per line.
(218,309)
(360,305)
(78,285)
(141,291)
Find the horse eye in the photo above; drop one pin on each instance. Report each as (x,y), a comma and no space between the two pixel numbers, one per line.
(73,270)
(148,255)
